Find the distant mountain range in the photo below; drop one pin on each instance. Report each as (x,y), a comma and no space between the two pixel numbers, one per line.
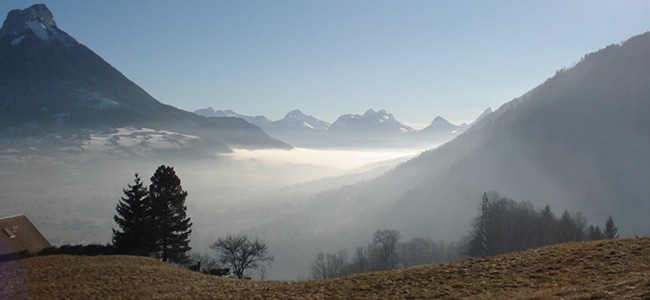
(580,142)
(56,94)
(373,128)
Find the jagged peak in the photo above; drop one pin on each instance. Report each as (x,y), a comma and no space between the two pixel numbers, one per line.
(38,20)
(373,112)
(17,20)
(439,119)
(439,123)
(296,113)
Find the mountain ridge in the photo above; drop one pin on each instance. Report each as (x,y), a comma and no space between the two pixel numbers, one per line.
(577,139)
(576,142)
(373,128)
(53,84)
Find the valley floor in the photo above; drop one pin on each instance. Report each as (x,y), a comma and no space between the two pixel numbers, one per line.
(612,269)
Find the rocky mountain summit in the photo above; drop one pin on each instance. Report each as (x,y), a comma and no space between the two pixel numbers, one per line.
(19,21)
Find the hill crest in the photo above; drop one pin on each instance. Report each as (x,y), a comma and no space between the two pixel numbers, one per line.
(600,269)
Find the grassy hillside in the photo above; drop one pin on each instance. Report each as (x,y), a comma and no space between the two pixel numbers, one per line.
(616,269)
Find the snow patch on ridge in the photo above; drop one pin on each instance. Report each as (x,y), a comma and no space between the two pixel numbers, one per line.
(17,40)
(39,29)
(137,140)
(48,33)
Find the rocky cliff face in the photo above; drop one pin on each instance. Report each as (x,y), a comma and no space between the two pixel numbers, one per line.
(17,19)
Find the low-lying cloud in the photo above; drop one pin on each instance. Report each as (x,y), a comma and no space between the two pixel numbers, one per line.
(339,159)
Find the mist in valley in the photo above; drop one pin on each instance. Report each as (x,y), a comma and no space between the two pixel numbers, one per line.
(73,201)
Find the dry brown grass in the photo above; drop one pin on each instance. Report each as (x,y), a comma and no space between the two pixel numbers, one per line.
(614,269)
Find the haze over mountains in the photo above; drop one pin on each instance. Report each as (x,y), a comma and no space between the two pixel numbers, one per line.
(580,141)
(372,129)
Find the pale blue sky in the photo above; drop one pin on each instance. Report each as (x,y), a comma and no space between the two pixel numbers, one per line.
(416,59)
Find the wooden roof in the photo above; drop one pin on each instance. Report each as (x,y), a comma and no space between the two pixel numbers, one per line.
(18,234)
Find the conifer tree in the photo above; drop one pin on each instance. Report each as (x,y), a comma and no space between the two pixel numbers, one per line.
(594,233)
(611,231)
(134,220)
(168,209)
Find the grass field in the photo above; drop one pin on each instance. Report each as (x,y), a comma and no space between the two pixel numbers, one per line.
(612,269)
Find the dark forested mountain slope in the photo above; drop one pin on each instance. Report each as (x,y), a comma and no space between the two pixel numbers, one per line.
(52,84)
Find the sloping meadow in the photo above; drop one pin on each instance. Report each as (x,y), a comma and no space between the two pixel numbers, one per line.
(616,269)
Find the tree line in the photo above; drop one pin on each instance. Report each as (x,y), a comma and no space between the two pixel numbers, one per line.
(505,225)
(502,226)
(152,221)
(384,252)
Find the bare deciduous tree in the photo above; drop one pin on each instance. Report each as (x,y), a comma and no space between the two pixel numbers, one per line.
(328,265)
(263,272)
(241,253)
(384,250)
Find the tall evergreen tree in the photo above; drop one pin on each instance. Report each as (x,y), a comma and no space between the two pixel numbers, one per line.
(594,233)
(571,228)
(173,227)
(134,220)
(611,231)
(547,227)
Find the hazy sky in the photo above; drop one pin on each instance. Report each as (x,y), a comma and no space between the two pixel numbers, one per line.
(416,59)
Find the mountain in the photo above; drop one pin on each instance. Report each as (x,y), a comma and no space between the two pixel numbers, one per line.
(210,112)
(296,128)
(55,89)
(372,129)
(293,120)
(297,120)
(486,113)
(440,125)
(580,141)
(370,122)
(382,129)
(261,121)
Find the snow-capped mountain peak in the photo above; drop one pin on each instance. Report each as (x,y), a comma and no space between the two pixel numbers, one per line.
(38,20)
(210,112)
(377,115)
(20,20)
(296,119)
(371,120)
(295,114)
